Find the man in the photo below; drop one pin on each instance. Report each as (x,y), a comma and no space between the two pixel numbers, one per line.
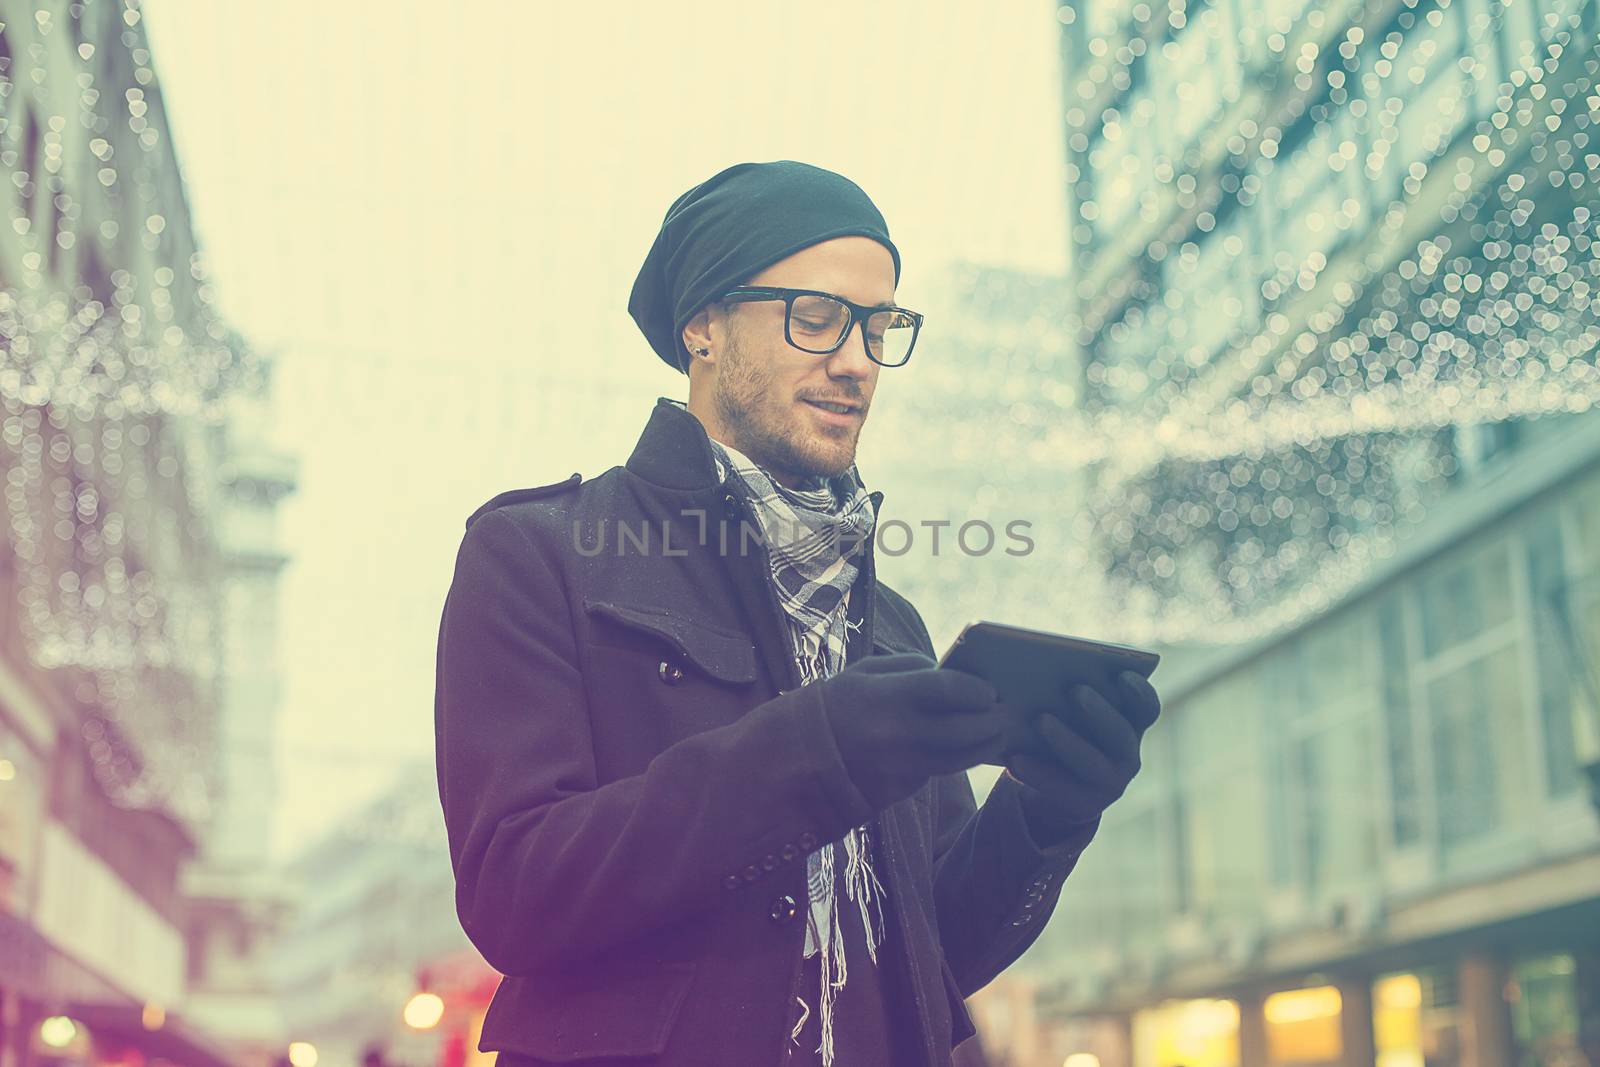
(684,829)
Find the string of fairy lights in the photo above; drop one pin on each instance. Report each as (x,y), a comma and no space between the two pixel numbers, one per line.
(1490,318)
(1261,422)
(112,386)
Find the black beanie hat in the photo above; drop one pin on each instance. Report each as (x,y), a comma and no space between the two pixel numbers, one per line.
(734,224)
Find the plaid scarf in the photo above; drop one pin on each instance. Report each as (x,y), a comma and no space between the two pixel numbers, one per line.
(816,536)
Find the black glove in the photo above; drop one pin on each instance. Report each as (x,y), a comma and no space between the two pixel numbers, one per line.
(899,720)
(1094,741)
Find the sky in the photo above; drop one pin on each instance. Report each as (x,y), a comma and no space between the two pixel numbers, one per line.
(430,216)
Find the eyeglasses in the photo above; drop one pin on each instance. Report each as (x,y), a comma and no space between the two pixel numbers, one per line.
(819,322)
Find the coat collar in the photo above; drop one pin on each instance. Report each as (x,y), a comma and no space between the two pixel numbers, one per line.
(674,452)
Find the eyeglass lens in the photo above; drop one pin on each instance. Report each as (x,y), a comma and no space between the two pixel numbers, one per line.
(817,322)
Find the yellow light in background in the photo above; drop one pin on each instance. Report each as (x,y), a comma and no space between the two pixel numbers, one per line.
(1398,991)
(1193,1033)
(302,1054)
(1081,1059)
(1397,1021)
(1302,1005)
(423,1011)
(1212,1017)
(58,1031)
(1303,1025)
(8,770)
(154,1016)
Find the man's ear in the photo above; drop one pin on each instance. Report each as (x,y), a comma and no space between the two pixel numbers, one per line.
(697,334)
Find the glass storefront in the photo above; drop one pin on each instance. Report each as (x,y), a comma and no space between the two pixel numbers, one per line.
(1397,1021)
(1546,1015)
(1187,1033)
(1302,1027)
(1416,1018)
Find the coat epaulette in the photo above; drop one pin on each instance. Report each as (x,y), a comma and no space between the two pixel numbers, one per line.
(515,496)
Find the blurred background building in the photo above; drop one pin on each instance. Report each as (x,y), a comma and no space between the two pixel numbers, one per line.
(1338,262)
(137,580)
(374,959)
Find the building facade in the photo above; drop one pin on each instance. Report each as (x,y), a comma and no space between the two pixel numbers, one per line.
(1346,252)
(126,483)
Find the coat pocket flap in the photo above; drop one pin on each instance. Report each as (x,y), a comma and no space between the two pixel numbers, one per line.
(572,1015)
(720,653)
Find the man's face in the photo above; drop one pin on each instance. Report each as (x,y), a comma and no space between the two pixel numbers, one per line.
(760,387)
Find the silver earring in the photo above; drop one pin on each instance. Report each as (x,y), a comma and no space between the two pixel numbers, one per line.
(702,351)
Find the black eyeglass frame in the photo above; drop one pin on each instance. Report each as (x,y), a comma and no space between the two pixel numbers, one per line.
(858,313)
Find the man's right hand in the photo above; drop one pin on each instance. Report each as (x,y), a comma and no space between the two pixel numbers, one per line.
(899,720)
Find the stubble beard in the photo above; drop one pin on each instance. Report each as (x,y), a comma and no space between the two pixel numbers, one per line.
(745,404)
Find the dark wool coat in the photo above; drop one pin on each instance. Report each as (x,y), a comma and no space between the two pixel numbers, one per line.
(629,808)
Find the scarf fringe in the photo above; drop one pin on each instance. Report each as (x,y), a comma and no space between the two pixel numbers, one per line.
(861,885)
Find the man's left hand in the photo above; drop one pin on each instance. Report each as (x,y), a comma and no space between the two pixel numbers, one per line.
(1091,754)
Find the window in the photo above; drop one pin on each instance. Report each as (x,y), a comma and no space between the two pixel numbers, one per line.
(1556,16)
(1194,75)
(1517,31)
(1479,445)
(1548,1008)
(1405,820)
(1303,1026)
(1306,201)
(1225,803)
(1464,764)
(1126,159)
(1263,18)
(1190,1033)
(1283,699)
(1464,599)
(1477,719)
(1428,80)
(1319,690)
(1106,19)
(1221,290)
(1555,647)
(1585,514)
(1123,165)
(1418,101)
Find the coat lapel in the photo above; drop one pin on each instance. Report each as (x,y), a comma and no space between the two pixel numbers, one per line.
(675,478)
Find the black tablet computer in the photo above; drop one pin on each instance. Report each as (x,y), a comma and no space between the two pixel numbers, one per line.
(1034,670)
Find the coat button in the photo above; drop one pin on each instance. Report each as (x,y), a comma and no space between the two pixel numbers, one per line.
(789,852)
(751,873)
(807,840)
(670,672)
(731,882)
(770,863)
(783,909)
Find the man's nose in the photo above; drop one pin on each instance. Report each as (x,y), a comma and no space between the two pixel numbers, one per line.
(850,358)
